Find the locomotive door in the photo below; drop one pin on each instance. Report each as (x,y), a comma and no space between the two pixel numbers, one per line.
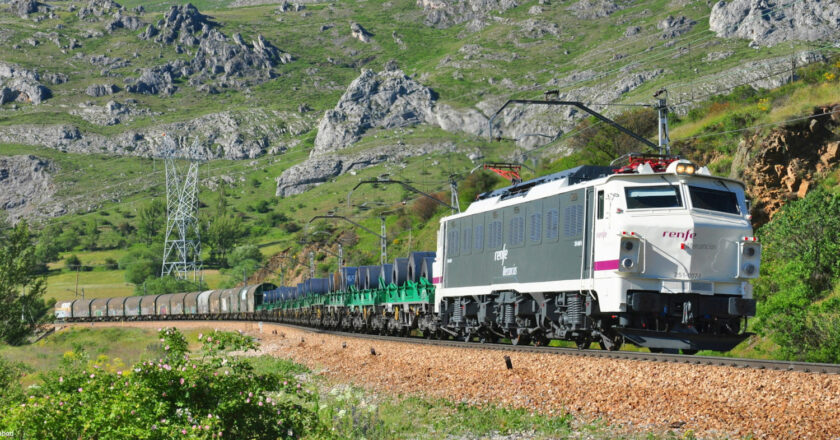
(586,257)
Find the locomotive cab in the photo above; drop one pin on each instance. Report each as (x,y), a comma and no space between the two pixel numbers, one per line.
(677,246)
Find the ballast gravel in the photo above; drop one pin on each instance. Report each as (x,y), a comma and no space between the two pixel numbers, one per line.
(637,396)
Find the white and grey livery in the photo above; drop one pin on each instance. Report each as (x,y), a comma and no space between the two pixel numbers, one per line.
(658,259)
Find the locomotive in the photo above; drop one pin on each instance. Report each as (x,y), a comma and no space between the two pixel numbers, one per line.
(658,253)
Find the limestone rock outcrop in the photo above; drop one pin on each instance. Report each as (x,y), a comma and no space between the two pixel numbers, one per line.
(27,187)
(387,99)
(769,22)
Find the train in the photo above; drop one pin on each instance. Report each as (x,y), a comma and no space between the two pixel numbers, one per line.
(658,253)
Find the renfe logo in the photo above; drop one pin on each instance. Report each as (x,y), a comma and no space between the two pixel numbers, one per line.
(684,235)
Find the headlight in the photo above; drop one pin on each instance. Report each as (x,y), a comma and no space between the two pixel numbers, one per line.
(628,245)
(627,263)
(748,268)
(749,251)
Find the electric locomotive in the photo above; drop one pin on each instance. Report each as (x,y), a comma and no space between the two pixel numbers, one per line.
(658,253)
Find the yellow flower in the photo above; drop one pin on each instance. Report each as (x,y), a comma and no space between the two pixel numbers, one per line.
(829,76)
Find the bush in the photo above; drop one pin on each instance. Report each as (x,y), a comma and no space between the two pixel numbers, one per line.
(201,395)
(168,284)
(475,184)
(142,263)
(800,273)
(291,227)
(243,253)
(73,262)
(111,264)
(263,207)
(425,208)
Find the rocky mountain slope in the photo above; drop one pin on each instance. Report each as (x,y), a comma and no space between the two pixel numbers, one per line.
(254,79)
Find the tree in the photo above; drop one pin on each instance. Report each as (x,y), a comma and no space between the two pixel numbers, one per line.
(73,262)
(247,252)
(90,235)
(151,221)
(425,207)
(605,142)
(21,288)
(475,184)
(142,263)
(222,234)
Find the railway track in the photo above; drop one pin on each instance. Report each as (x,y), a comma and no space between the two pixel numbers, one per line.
(758,364)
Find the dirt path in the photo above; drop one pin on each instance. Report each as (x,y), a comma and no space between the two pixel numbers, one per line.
(642,396)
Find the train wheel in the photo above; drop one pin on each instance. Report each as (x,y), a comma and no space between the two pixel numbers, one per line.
(689,352)
(656,350)
(541,341)
(611,343)
(583,343)
(520,339)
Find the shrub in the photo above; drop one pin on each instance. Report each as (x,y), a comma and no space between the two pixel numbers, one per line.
(425,207)
(142,263)
(168,284)
(291,227)
(111,264)
(202,395)
(73,262)
(243,253)
(799,275)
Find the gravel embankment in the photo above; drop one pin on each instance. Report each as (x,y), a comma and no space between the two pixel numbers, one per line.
(712,401)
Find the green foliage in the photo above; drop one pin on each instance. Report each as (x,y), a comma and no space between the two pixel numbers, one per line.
(141,263)
(603,142)
(151,221)
(73,262)
(199,395)
(21,288)
(168,284)
(222,234)
(425,207)
(475,184)
(352,413)
(244,253)
(242,262)
(800,269)
(90,235)
(10,374)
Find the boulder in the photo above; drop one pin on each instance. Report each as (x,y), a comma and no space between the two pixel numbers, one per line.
(98,90)
(360,33)
(592,9)
(25,7)
(152,82)
(672,27)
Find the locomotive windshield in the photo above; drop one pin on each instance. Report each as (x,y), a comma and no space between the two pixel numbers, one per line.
(647,197)
(714,199)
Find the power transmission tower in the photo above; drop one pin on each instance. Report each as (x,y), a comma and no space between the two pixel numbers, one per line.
(182,248)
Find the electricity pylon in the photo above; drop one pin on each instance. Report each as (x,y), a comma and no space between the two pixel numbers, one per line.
(182,248)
